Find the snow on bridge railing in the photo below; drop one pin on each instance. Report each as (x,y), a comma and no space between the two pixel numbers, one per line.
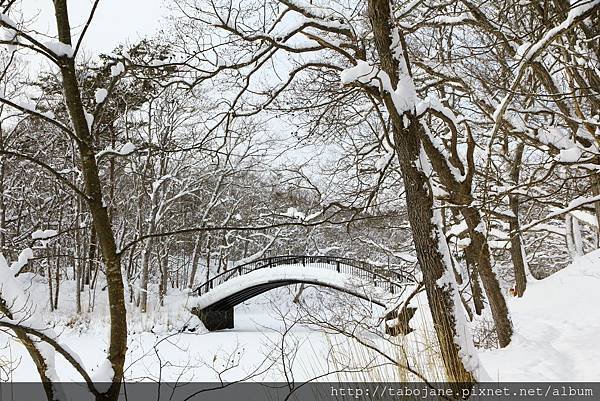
(392,282)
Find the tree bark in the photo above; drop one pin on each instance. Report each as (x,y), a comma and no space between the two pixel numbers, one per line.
(488,277)
(95,200)
(164,275)
(91,256)
(50,290)
(474,280)
(2,205)
(57,282)
(517,252)
(460,193)
(596,191)
(147,254)
(31,347)
(208,251)
(78,257)
(419,200)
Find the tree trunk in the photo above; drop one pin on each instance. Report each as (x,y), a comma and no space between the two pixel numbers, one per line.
(208,250)
(488,277)
(57,282)
(95,200)
(130,272)
(475,287)
(577,238)
(461,194)
(164,276)
(91,256)
(419,201)
(146,255)
(517,252)
(220,260)
(50,291)
(299,294)
(596,191)
(78,257)
(2,205)
(195,260)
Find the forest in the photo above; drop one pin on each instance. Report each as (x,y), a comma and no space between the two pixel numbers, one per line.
(382,190)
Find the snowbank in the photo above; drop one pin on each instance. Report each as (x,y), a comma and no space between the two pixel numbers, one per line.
(557,327)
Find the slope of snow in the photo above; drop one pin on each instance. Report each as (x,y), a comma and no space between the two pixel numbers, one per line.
(557,327)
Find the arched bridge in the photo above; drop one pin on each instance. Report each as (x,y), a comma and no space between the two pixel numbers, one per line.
(218,296)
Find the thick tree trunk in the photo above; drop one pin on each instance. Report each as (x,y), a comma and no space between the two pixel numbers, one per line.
(419,201)
(420,214)
(95,200)
(116,292)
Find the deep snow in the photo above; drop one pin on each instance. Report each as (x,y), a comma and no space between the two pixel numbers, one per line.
(557,326)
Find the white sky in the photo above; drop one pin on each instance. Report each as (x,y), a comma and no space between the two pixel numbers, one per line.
(115,21)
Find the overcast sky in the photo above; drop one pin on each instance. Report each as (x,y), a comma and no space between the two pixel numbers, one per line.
(115,21)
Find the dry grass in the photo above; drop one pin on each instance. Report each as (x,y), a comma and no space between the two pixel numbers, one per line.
(371,358)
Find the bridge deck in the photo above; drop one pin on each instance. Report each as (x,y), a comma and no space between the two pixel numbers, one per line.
(380,276)
(240,288)
(218,296)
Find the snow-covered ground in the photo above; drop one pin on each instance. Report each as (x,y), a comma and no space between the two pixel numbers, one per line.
(159,349)
(557,326)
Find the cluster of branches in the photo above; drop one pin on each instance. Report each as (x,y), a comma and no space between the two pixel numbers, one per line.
(467,128)
(491,111)
(116,175)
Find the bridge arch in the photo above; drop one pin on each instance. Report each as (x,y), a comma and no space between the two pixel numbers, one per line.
(217,297)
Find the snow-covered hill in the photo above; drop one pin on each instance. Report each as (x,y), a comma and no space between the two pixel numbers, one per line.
(557,328)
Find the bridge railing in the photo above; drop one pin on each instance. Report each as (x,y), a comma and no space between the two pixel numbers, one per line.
(389,281)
